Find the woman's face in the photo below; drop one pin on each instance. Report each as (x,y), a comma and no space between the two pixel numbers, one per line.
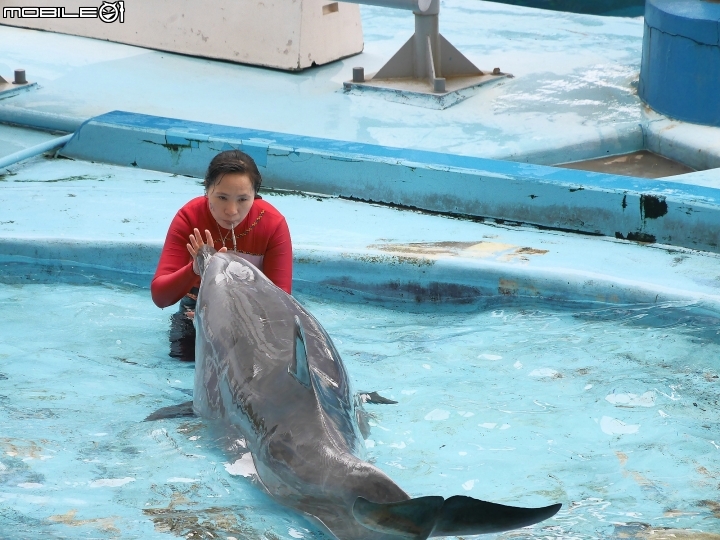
(231,198)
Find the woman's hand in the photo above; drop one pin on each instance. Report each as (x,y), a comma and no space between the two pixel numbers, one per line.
(196,242)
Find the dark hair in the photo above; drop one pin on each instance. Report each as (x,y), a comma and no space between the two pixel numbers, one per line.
(232,161)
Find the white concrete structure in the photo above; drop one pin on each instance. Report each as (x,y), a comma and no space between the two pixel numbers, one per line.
(290,35)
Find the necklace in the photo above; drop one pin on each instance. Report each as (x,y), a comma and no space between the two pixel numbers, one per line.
(232,231)
(222,238)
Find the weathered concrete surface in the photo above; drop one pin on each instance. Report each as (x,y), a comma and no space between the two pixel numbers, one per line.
(695,145)
(70,214)
(572,96)
(579,201)
(15,139)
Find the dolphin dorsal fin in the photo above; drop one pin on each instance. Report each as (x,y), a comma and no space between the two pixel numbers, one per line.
(299,367)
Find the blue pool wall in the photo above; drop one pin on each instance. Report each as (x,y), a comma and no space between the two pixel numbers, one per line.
(369,274)
(637,209)
(680,68)
(627,8)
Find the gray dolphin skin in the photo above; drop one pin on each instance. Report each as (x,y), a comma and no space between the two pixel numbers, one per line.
(265,366)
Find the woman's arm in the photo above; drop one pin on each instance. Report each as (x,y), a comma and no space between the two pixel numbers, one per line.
(174,276)
(277,263)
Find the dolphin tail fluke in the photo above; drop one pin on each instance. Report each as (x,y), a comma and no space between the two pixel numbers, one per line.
(466,516)
(413,519)
(424,517)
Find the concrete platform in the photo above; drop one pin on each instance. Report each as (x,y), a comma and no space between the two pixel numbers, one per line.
(558,198)
(14,138)
(561,106)
(69,214)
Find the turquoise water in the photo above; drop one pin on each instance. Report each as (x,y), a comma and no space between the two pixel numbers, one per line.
(610,410)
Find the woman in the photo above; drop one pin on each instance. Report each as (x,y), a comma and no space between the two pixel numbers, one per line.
(244,223)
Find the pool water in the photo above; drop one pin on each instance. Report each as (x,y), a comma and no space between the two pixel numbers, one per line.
(611,410)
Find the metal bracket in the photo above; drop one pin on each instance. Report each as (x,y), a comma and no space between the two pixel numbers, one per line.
(427,65)
(20,83)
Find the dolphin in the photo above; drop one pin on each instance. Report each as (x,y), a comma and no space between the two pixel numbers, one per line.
(264,366)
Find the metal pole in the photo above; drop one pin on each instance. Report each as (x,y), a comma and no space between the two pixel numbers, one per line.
(34,151)
(427,29)
(420,6)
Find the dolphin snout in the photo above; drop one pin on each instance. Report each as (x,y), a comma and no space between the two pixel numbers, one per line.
(204,254)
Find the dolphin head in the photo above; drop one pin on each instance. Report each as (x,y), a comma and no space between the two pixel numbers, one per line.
(203,256)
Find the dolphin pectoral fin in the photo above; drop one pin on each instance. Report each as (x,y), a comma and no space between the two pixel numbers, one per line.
(361,415)
(413,519)
(375,399)
(462,515)
(363,422)
(173,411)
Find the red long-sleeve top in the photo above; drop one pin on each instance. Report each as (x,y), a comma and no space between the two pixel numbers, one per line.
(263,236)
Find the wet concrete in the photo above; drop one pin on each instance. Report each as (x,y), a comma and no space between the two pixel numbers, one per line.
(572,93)
(81,217)
(641,164)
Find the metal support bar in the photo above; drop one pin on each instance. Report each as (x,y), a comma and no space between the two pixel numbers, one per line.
(421,6)
(18,84)
(427,30)
(426,65)
(33,151)
(427,52)
(438,83)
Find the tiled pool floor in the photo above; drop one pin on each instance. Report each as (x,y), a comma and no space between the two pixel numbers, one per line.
(609,410)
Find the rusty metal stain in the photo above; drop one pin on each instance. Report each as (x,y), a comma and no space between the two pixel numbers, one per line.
(208,523)
(675,534)
(678,513)
(521,254)
(507,287)
(486,249)
(425,249)
(713,506)
(21,448)
(652,207)
(703,471)
(390,259)
(68,518)
(531,251)
(194,522)
(307,260)
(482,249)
(640,479)
(645,531)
